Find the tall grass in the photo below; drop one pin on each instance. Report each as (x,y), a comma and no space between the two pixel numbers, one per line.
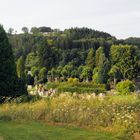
(80,110)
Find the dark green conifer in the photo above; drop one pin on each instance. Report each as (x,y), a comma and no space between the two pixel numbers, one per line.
(9,83)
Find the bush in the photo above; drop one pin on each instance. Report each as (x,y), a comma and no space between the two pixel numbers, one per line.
(75,86)
(70,80)
(73,80)
(125,87)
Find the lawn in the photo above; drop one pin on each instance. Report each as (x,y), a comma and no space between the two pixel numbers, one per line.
(38,131)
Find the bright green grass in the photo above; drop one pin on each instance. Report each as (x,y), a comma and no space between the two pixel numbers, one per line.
(39,131)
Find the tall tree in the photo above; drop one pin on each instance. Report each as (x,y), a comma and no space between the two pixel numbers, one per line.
(20,67)
(45,55)
(102,67)
(8,77)
(90,61)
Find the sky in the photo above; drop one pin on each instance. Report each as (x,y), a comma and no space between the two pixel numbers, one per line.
(120,18)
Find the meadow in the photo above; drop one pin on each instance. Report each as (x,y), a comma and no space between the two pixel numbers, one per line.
(115,115)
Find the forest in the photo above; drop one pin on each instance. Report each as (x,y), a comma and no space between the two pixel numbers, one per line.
(51,55)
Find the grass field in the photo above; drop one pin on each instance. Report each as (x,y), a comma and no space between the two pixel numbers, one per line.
(38,131)
(110,118)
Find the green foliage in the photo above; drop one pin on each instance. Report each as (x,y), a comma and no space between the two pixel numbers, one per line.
(115,74)
(74,86)
(32,60)
(8,78)
(133,41)
(34,30)
(76,52)
(90,61)
(35,71)
(125,57)
(25,30)
(125,87)
(45,55)
(21,67)
(21,76)
(99,54)
(73,80)
(10,30)
(79,90)
(44,29)
(43,75)
(100,74)
(86,74)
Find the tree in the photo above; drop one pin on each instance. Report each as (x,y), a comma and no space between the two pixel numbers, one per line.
(64,73)
(35,71)
(115,73)
(34,30)
(126,58)
(43,75)
(90,61)
(102,67)
(10,30)
(98,54)
(32,60)
(25,30)
(125,87)
(52,74)
(86,74)
(44,29)
(9,85)
(21,75)
(20,67)
(45,55)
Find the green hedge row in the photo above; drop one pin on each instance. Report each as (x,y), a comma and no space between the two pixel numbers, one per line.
(79,87)
(79,90)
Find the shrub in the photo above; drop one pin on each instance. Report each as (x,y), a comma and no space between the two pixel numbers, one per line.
(73,80)
(125,87)
(70,80)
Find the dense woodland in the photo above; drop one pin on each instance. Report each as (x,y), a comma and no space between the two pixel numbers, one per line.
(44,54)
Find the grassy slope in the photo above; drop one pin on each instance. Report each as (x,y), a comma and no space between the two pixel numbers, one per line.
(38,131)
